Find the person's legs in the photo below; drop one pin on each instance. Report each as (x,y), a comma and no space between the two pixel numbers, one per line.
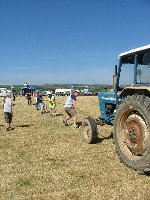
(75,121)
(67,110)
(53,111)
(54,108)
(36,106)
(8,120)
(74,117)
(7,125)
(44,108)
(14,98)
(65,120)
(30,101)
(50,110)
(71,112)
(41,108)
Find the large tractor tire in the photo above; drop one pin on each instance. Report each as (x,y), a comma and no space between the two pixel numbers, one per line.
(89,129)
(132,132)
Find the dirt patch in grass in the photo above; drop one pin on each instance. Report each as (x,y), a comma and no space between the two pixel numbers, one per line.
(41,159)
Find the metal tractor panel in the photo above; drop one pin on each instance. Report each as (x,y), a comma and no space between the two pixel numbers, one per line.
(107,105)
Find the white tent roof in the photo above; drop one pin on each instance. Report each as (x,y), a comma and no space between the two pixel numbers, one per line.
(134,50)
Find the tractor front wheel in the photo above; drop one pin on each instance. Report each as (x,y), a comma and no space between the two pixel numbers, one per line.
(132,132)
(89,128)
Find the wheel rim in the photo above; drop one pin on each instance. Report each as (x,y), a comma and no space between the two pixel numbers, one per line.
(133,134)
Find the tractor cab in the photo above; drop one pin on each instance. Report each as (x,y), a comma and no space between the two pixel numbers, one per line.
(132,76)
(134,72)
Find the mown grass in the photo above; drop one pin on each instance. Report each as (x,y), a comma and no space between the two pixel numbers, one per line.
(41,159)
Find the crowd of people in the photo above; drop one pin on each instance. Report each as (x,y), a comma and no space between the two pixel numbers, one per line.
(70,106)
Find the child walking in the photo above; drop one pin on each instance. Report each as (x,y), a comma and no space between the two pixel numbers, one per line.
(52,104)
(29,98)
(7,106)
(39,104)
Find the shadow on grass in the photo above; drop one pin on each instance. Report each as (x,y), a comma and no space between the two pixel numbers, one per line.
(57,114)
(79,124)
(70,123)
(24,125)
(99,140)
(146,173)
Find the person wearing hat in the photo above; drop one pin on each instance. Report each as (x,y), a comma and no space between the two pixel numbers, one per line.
(70,109)
(7,106)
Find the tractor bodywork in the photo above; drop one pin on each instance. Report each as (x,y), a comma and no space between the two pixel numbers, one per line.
(127,107)
(107,104)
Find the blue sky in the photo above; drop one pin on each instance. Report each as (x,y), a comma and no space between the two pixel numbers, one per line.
(68,41)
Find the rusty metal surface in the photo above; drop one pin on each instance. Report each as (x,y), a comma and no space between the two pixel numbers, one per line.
(133,90)
(135,135)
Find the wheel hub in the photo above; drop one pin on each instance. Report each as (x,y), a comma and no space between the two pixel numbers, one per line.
(134,134)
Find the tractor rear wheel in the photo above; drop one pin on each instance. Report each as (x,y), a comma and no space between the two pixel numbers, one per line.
(132,132)
(89,128)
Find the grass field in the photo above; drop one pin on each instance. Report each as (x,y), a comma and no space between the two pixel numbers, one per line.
(41,159)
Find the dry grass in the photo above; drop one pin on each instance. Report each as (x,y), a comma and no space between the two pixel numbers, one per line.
(41,159)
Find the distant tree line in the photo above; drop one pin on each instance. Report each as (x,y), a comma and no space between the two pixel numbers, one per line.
(51,87)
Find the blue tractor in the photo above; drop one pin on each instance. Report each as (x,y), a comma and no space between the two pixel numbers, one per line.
(127,108)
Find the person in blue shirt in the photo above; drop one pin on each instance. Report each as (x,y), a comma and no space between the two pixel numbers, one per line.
(70,108)
(39,103)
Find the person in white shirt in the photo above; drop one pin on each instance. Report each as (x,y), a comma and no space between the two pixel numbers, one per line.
(70,108)
(7,106)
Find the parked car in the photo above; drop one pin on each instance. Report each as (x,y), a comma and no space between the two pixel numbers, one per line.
(4,91)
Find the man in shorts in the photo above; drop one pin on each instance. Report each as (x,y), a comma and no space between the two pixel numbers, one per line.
(70,109)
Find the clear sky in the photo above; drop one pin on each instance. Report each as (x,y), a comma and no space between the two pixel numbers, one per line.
(68,41)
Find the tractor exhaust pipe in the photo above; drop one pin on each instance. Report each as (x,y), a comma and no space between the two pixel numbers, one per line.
(115,78)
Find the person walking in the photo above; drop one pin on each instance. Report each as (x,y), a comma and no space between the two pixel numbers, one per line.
(13,92)
(70,109)
(7,106)
(52,104)
(29,98)
(40,105)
